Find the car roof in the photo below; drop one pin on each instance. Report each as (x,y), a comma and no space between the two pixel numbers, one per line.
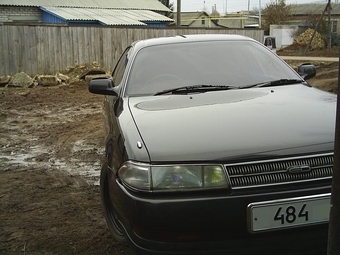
(189,38)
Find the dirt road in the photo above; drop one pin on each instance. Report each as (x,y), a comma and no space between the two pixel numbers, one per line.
(51,144)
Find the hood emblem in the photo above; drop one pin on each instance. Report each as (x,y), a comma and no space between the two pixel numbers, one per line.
(299,169)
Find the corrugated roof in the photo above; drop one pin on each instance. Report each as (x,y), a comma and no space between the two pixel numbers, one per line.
(305,9)
(107,16)
(115,4)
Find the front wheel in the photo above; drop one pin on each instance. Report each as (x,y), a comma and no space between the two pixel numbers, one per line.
(109,212)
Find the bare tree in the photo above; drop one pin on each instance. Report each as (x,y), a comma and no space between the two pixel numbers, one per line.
(276,13)
(165,2)
(170,6)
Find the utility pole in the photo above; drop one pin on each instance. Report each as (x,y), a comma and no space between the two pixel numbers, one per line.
(329,9)
(260,16)
(334,217)
(178,13)
(317,25)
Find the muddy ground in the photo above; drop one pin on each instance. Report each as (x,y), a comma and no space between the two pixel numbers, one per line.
(51,141)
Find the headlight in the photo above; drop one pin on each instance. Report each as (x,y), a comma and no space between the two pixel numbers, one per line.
(176,177)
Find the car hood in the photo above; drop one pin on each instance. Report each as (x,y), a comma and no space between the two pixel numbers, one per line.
(236,124)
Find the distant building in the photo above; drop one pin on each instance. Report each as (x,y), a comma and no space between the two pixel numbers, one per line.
(300,13)
(197,19)
(239,20)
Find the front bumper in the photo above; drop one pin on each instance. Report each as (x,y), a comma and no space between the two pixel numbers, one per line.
(213,224)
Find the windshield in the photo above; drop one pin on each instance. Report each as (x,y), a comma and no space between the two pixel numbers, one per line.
(218,63)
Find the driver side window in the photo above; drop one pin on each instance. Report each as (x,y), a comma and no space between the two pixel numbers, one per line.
(118,72)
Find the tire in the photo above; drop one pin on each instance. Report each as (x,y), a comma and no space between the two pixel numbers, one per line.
(109,212)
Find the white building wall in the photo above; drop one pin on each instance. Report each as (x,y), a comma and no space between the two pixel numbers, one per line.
(20,14)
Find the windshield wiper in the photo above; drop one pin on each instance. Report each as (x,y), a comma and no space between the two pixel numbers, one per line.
(276,83)
(195,89)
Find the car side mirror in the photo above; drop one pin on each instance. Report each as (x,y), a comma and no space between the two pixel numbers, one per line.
(307,71)
(103,86)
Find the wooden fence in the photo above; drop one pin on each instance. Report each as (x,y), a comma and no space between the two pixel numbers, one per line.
(47,49)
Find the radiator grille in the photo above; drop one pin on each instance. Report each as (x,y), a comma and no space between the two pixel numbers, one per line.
(275,172)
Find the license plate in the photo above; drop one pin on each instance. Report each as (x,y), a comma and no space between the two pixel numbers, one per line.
(285,213)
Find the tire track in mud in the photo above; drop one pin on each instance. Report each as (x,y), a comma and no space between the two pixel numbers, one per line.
(62,134)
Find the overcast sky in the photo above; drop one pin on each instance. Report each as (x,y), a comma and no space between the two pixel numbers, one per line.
(224,6)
